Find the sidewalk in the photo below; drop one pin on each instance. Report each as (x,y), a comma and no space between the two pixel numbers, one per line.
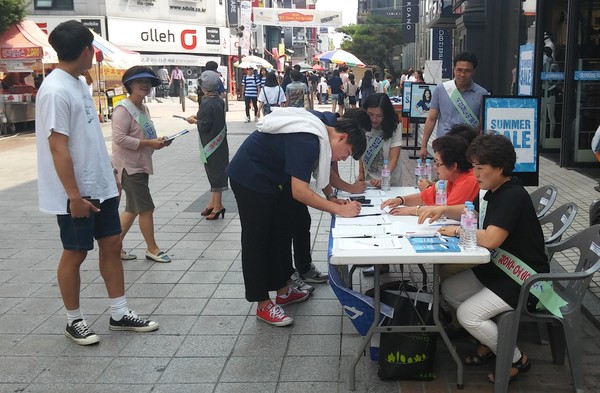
(209,339)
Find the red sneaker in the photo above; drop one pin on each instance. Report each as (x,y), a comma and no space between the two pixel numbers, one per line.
(273,315)
(293,296)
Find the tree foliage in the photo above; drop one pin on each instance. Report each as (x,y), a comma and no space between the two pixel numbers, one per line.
(11,12)
(372,41)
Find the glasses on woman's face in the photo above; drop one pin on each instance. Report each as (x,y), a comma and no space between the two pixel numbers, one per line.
(437,163)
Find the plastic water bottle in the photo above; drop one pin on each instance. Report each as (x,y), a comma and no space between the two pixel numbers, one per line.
(428,175)
(468,228)
(418,168)
(441,195)
(385,176)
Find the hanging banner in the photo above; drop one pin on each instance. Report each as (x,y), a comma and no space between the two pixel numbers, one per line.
(232,13)
(246,21)
(297,17)
(409,19)
(441,49)
(517,119)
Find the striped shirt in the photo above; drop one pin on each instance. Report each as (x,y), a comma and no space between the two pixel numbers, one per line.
(250,86)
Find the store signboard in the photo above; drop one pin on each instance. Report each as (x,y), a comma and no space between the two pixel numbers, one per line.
(177,59)
(517,119)
(21,53)
(295,17)
(409,20)
(166,10)
(138,35)
(48,22)
(441,49)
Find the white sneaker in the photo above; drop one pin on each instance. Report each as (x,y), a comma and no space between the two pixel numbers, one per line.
(247,120)
(297,282)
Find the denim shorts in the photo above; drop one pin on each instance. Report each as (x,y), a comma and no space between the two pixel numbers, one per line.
(78,234)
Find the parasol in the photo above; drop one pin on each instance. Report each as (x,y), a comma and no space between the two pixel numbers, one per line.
(340,56)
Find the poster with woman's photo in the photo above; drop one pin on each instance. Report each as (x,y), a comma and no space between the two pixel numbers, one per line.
(420,101)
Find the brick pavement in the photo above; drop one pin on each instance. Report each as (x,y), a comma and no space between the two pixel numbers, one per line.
(209,340)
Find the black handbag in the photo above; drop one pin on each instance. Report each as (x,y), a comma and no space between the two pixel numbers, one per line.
(408,356)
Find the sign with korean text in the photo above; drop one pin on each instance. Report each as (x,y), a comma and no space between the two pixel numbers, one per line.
(441,49)
(297,17)
(517,119)
(21,53)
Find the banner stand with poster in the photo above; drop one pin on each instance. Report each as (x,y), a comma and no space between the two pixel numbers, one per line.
(416,102)
(517,118)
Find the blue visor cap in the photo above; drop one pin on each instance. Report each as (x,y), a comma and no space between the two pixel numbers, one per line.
(155,81)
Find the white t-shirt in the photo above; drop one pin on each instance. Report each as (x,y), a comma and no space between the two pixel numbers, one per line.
(269,94)
(64,105)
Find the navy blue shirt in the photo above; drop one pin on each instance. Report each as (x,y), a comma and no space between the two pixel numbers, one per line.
(266,161)
(328,118)
(336,85)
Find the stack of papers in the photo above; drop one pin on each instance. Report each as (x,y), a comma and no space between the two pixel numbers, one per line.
(342,231)
(381,243)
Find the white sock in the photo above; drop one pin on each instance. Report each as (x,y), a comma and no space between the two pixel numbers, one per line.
(73,315)
(118,307)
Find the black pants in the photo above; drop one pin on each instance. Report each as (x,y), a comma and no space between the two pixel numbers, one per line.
(247,100)
(266,240)
(301,236)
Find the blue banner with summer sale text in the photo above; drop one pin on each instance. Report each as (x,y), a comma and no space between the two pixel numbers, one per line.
(517,119)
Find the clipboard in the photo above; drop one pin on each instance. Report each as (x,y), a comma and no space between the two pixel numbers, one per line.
(180,133)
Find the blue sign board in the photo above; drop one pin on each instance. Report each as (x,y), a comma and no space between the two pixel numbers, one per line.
(517,119)
(525,77)
(441,49)
(552,76)
(587,75)
(406,91)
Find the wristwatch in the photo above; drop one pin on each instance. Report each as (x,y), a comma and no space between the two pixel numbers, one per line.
(329,196)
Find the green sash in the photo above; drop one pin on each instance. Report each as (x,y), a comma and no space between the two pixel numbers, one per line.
(519,271)
(140,118)
(460,104)
(374,147)
(209,149)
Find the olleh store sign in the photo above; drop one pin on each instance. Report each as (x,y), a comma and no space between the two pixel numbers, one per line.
(168,37)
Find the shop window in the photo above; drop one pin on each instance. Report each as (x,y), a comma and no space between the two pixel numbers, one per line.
(53,4)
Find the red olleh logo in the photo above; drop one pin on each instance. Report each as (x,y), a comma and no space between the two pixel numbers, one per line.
(185,38)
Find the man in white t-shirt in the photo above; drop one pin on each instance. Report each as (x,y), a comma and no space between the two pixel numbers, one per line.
(76,183)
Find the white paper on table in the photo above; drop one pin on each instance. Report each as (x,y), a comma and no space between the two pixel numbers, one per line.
(371,210)
(369,192)
(404,228)
(360,230)
(370,244)
(368,220)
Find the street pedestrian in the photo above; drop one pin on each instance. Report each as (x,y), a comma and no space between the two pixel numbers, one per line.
(177,80)
(454,102)
(76,183)
(296,91)
(274,163)
(250,90)
(134,140)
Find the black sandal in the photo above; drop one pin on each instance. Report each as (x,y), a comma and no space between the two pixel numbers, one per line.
(519,366)
(475,359)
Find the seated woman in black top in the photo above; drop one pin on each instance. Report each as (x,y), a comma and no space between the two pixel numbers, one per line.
(271,168)
(508,226)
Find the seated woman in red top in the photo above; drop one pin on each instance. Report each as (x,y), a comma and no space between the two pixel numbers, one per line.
(452,166)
